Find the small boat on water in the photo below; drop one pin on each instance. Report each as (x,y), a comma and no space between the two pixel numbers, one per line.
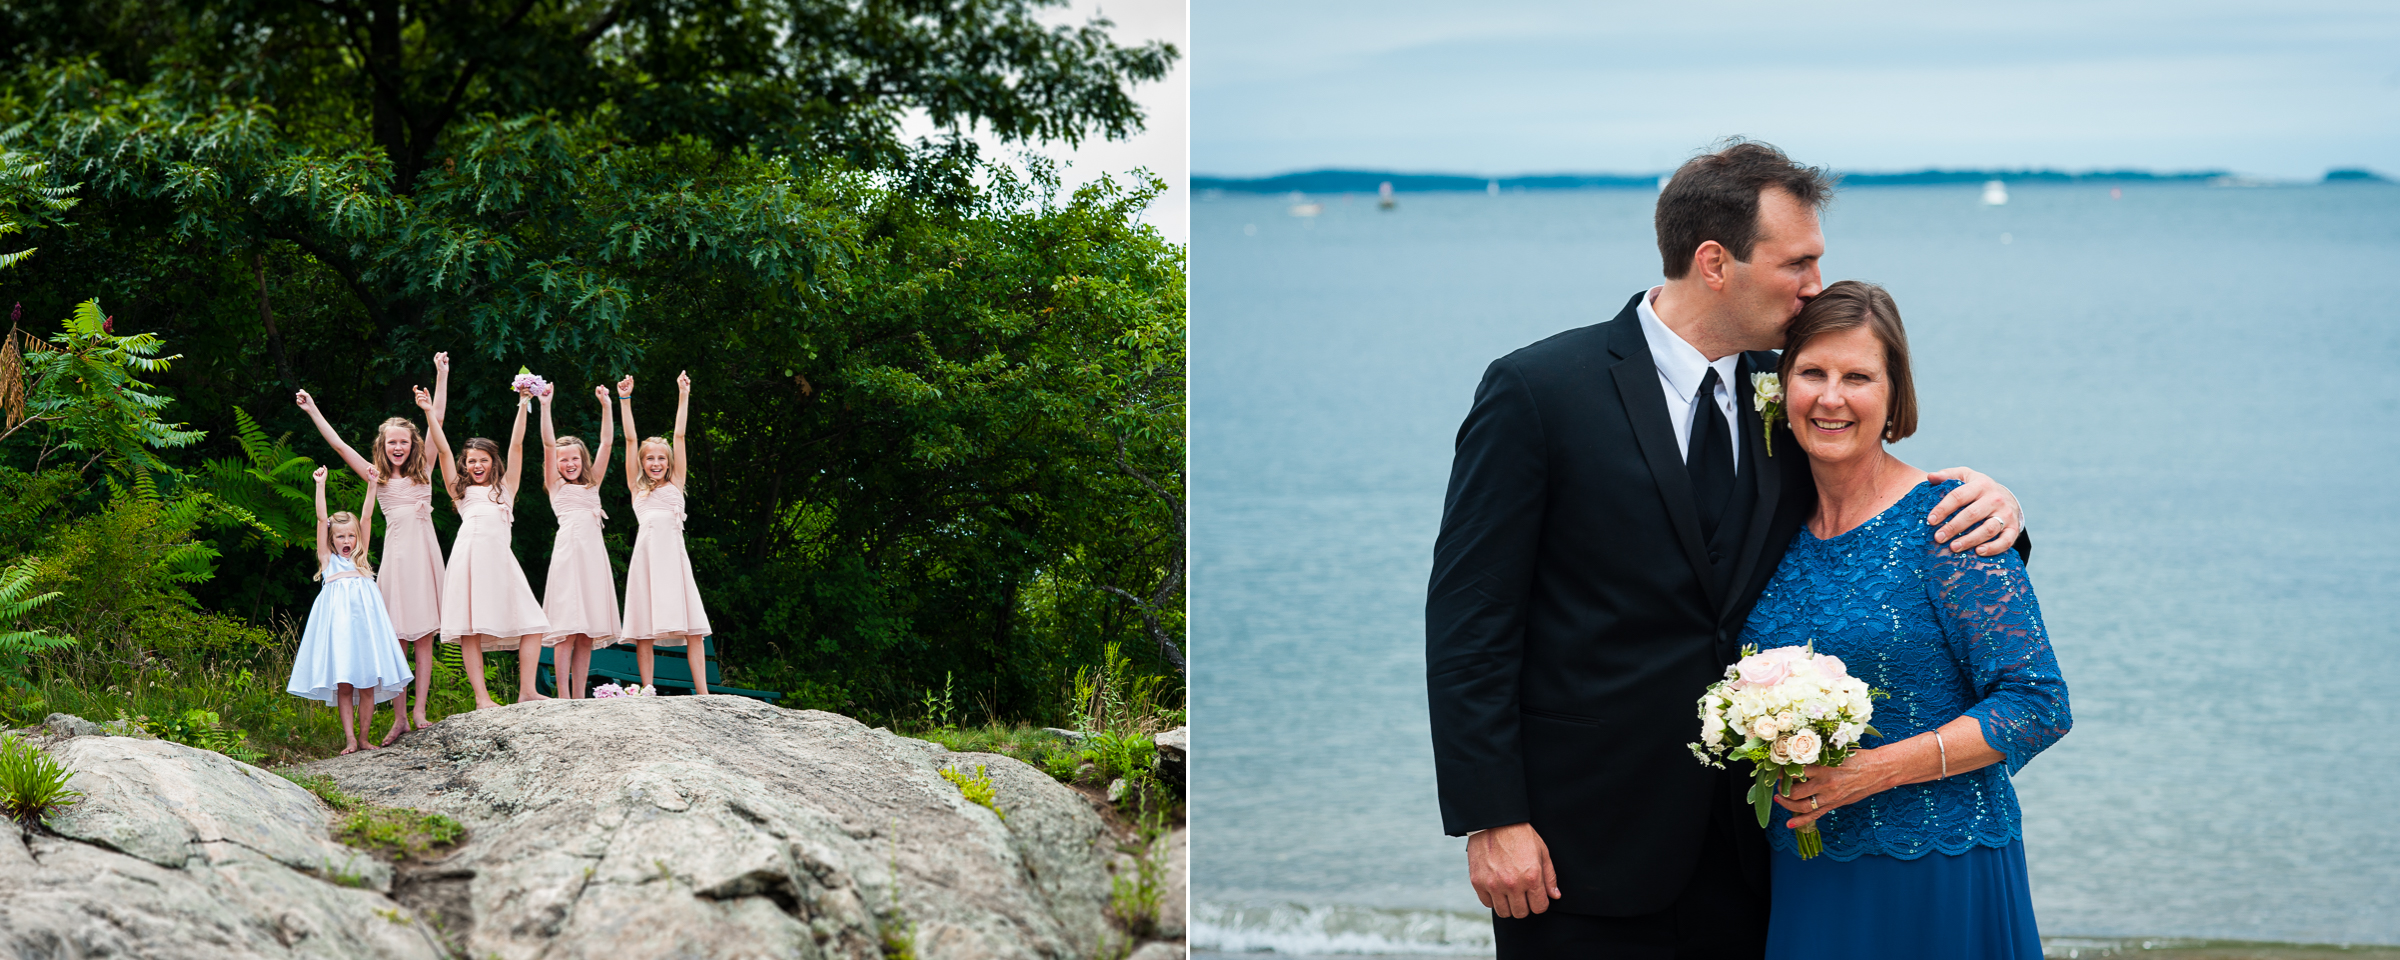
(1995,193)
(1383,196)
(1309,209)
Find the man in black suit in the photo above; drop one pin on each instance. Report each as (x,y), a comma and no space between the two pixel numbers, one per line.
(1613,513)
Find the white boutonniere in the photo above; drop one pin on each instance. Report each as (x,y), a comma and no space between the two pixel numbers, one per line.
(1766,394)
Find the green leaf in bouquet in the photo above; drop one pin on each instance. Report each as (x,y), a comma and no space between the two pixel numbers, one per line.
(521,371)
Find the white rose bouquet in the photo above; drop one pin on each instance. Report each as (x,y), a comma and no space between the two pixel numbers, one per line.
(1783,710)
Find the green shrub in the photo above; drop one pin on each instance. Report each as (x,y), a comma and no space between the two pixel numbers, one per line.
(201,728)
(32,785)
(16,581)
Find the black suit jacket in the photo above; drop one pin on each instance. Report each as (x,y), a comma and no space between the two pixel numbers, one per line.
(1575,614)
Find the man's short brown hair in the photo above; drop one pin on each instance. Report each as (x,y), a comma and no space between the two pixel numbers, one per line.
(1714,196)
(1847,305)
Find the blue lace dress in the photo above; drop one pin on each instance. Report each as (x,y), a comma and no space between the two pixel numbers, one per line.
(1934,869)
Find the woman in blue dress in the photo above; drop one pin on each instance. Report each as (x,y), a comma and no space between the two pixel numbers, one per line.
(1924,848)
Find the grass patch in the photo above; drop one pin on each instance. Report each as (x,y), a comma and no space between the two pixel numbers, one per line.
(323,786)
(399,833)
(240,683)
(33,785)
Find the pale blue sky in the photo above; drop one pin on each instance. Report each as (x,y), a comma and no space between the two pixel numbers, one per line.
(2283,89)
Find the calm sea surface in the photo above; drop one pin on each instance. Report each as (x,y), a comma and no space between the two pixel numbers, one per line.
(2194,390)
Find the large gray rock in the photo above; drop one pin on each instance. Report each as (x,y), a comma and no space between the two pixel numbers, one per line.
(1174,754)
(181,853)
(1171,913)
(722,827)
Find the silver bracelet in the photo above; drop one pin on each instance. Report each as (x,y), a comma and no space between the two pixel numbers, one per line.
(1938,745)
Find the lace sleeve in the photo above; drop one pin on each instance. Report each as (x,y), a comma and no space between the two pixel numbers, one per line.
(1993,627)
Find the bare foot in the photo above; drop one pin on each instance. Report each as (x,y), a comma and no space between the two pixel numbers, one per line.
(421,721)
(530,695)
(352,748)
(369,745)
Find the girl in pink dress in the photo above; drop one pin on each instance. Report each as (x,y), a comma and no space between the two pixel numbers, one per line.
(662,598)
(411,575)
(486,603)
(580,600)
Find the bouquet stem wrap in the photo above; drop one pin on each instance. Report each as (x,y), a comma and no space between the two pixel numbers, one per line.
(1784,710)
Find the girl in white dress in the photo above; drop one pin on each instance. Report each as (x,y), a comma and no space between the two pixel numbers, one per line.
(400,478)
(662,597)
(346,658)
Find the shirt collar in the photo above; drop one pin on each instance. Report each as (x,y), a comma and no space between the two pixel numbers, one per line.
(1679,362)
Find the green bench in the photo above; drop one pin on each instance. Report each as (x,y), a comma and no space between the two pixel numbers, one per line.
(670,671)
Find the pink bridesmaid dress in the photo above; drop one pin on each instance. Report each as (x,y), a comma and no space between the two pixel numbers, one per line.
(484,591)
(409,571)
(581,595)
(662,597)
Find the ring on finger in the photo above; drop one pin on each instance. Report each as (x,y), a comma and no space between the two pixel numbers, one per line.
(1812,802)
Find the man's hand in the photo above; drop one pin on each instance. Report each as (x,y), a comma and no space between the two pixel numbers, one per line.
(1982,514)
(1510,867)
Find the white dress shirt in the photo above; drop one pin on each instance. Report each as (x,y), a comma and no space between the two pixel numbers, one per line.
(1680,370)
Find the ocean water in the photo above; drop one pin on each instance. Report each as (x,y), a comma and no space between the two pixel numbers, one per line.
(2195,391)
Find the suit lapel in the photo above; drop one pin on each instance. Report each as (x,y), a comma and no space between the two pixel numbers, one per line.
(1770,479)
(1636,375)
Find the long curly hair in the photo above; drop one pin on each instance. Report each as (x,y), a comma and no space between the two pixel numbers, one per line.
(417,467)
(459,484)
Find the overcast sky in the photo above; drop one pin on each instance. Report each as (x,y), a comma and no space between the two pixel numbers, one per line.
(1162,146)
(2275,89)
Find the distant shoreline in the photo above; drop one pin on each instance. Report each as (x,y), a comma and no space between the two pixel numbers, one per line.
(1369,181)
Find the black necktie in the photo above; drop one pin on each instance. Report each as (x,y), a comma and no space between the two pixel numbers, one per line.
(1710,457)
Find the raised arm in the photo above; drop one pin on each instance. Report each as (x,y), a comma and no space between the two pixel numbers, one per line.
(608,427)
(550,447)
(324,540)
(434,438)
(366,517)
(633,439)
(683,407)
(516,452)
(441,384)
(359,464)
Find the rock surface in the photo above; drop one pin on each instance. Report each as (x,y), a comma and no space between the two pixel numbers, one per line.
(1172,899)
(176,852)
(623,828)
(723,827)
(1174,752)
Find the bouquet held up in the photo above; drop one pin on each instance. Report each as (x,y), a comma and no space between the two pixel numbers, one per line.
(529,384)
(1783,710)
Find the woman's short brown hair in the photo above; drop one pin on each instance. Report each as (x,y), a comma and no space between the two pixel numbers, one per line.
(1846,305)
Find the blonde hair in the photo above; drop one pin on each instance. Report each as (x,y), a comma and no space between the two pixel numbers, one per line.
(417,467)
(641,474)
(583,477)
(358,557)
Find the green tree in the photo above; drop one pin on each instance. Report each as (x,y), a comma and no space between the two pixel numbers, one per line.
(938,419)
